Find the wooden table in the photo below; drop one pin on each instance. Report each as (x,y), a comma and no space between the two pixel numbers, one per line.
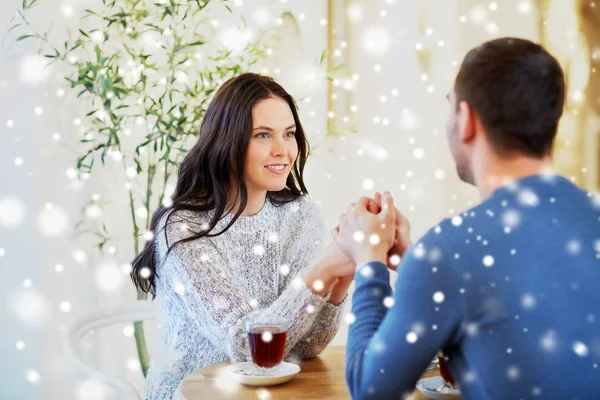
(322,377)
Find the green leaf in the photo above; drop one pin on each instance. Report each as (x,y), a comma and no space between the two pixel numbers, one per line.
(13,27)
(323,55)
(23,37)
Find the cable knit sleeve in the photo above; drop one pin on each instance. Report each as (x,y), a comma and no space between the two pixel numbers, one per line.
(322,332)
(200,277)
(326,325)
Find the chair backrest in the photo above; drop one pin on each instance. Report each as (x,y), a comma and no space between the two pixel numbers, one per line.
(99,318)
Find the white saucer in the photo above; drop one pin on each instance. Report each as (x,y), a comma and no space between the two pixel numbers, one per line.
(285,372)
(429,388)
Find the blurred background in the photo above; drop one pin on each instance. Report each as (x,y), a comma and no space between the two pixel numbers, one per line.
(127,86)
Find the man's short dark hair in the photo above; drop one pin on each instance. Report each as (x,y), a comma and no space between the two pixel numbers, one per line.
(517,89)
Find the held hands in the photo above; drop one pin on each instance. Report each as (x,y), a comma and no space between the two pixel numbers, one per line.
(371,234)
(364,236)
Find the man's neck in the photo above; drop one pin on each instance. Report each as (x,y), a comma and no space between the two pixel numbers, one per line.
(495,173)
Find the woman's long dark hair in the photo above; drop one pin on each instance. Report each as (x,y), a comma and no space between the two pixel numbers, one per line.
(214,167)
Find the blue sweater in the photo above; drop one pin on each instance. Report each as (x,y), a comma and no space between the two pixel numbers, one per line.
(509,290)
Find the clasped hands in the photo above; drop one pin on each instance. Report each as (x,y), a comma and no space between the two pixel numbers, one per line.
(372,229)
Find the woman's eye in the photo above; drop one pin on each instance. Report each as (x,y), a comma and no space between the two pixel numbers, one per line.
(291,134)
(263,135)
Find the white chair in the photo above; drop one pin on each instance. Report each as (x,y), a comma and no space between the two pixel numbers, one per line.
(92,320)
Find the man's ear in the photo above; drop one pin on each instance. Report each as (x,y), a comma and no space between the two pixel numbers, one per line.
(467,123)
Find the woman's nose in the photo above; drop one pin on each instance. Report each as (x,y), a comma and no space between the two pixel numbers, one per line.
(279,148)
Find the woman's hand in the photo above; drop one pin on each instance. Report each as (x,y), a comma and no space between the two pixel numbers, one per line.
(339,290)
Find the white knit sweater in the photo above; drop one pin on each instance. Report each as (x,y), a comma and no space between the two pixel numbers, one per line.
(206,287)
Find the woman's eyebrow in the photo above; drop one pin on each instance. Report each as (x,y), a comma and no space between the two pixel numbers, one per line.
(266,128)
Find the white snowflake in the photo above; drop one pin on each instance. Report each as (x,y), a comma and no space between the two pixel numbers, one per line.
(419,153)
(65,306)
(284,269)
(580,349)
(374,239)
(511,218)
(595,199)
(366,271)
(92,390)
(528,301)
(411,337)
(513,372)
(368,184)
(573,247)
(179,288)
(527,197)
(488,261)
(435,255)
(259,250)
(263,394)
(32,376)
(438,297)
(109,278)
(266,337)
(133,364)
(457,220)
(128,330)
(350,319)
(439,174)
(469,377)
(548,341)
(419,251)
(358,236)
(472,328)
(388,301)
(418,328)
(378,346)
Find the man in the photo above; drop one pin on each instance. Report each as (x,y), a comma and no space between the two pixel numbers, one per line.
(509,290)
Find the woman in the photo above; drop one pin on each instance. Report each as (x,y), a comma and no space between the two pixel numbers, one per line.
(239,240)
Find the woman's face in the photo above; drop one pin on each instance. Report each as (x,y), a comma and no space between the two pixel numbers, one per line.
(273,148)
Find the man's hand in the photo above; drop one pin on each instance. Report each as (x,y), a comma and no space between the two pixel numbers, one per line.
(402,239)
(364,236)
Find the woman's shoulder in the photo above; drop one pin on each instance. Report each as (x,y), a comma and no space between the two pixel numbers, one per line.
(181,222)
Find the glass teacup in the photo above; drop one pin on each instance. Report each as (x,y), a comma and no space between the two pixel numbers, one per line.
(266,338)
